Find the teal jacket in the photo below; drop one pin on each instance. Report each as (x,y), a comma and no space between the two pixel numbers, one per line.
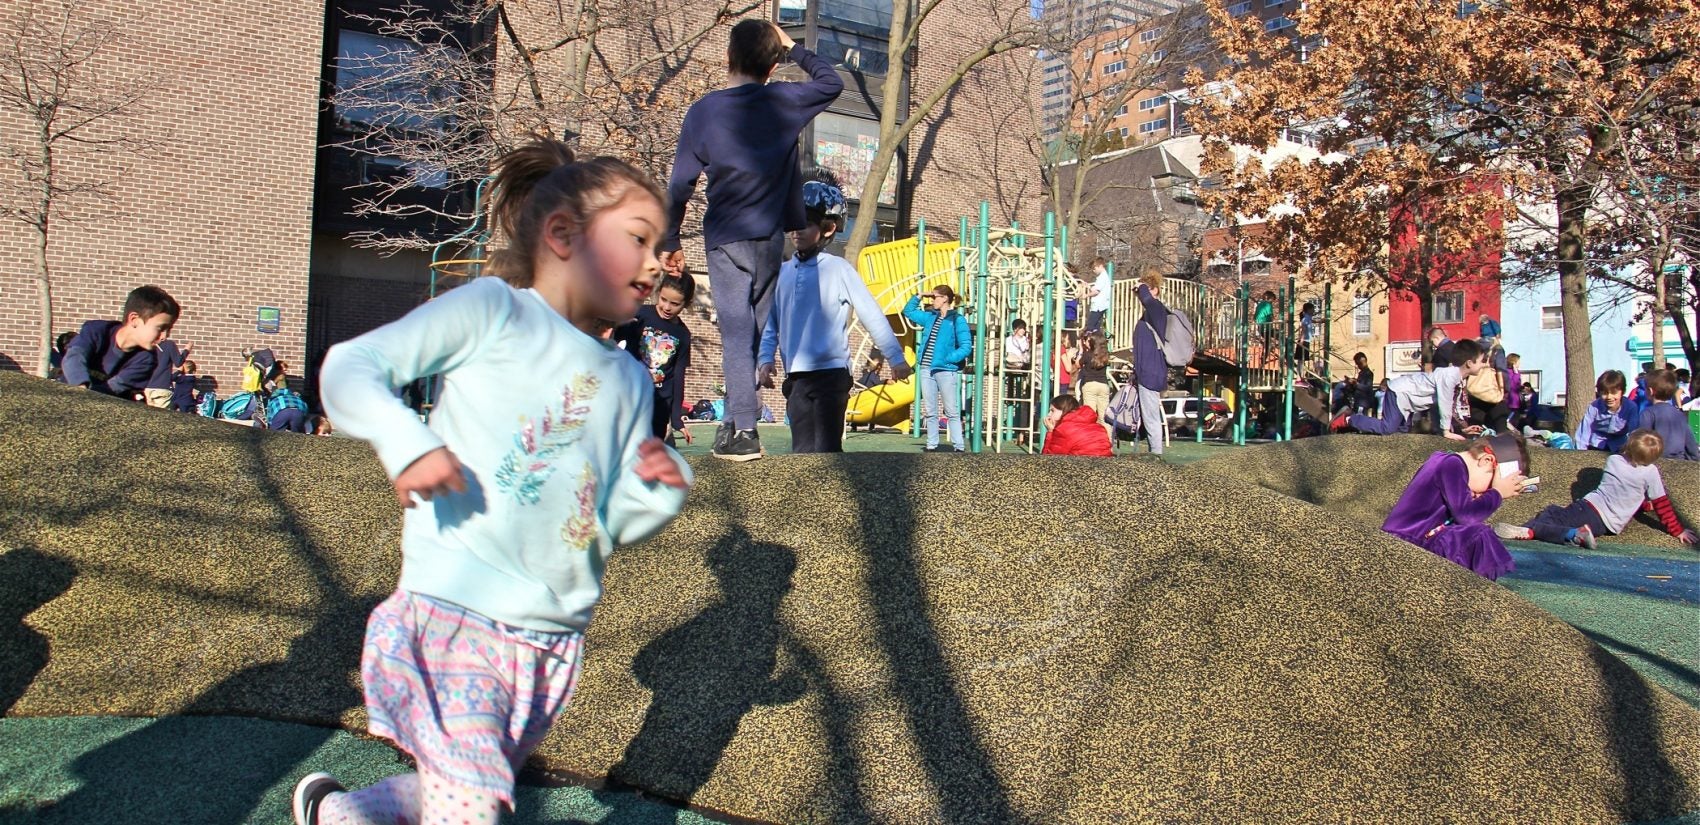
(955,344)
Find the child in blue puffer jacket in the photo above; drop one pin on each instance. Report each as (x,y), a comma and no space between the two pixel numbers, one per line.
(942,346)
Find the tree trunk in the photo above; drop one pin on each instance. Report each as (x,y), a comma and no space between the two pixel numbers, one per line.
(44,296)
(1679,315)
(897,65)
(1573,305)
(1656,262)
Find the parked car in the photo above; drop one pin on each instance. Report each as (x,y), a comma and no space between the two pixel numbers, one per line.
(1182,414)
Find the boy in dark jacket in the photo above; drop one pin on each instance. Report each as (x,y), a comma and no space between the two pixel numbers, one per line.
(1150,367)
(745,138)
(117,357)
(1662,417)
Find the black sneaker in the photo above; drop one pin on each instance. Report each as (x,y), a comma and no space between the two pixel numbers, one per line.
(310,795)
(743,445)
(722,434)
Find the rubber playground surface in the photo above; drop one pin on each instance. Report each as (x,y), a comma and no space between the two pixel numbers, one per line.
(1640,603)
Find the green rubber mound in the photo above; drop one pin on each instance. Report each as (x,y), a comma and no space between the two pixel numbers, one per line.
(1363,475)
(861,638)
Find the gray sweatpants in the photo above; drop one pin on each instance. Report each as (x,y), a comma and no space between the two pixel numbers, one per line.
(742,276)
(1151,417)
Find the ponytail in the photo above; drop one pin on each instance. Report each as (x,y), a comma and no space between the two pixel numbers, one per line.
(543,177)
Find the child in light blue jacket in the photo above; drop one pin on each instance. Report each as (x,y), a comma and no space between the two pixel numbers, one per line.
(943,344)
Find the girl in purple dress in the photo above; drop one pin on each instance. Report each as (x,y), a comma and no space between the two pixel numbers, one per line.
(1445,508)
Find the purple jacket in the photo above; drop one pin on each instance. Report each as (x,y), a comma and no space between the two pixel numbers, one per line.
(1439,494)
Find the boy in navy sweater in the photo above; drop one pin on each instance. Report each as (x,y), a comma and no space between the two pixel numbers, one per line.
(117,357)
(745,137)
(1663,417)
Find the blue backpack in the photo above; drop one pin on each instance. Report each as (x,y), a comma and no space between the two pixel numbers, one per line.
(209,404)
(239,407)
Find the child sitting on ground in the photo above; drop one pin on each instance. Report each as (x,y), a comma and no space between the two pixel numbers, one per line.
(1608,421)
(537,462)
(1074,429)
(286,409)
(1416,393)
(1446,506)
(1632,481)
(809,325)
(1663,417)
(117,357)
(659,339)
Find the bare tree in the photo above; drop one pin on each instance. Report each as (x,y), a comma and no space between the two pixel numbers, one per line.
(464,85)
(1110,70)
(83,125)
(1012,28)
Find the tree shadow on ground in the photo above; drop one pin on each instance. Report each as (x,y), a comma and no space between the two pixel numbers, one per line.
(705,674)
(1650,781)
(32,579)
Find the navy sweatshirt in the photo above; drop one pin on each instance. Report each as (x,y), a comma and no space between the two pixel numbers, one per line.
(167,358)
(1150,368)
(745,138)
(93,358)
(664,348)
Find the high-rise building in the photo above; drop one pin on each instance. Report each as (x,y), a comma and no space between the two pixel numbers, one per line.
(1074,21)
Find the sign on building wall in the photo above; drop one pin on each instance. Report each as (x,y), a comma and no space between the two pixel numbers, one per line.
(269,320)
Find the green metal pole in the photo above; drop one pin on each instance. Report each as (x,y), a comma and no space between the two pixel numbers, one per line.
(981,282)
(1042,407)
(1287,357)
(1244,378)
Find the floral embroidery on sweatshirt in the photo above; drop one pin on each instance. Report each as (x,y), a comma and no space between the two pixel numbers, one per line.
(579,532)
(528,466)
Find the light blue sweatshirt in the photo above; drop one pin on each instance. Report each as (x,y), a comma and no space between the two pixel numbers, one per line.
(546,422)
(810,319)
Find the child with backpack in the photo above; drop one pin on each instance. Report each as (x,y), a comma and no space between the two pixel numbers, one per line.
(1074,429)
(1631,482)
(1445,507)
(1150,362)
(286,409)
(810,325)
(745,139)
(537,462)
(942,344)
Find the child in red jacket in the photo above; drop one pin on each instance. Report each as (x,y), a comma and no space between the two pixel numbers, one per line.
(1075,429)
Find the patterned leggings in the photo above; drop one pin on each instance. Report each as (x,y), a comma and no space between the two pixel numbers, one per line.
(414,799)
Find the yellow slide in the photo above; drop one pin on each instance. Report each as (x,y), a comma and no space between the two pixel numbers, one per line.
(886,405)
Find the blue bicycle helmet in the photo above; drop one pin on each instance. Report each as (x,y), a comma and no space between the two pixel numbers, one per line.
(822,200)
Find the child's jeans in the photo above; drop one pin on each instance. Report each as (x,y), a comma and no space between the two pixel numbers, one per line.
(1556,521)
(742,275)
(1391,420)
(946,385)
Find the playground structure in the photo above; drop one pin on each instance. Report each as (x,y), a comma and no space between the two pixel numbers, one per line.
(1020,274)
(1005,273)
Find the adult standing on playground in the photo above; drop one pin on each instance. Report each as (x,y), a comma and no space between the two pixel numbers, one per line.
(1150,368)
(745,137)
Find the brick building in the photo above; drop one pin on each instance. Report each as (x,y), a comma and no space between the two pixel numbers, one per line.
(246,204)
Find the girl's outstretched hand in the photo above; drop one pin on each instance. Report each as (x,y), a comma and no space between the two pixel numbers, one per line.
(435,473)
(655,464)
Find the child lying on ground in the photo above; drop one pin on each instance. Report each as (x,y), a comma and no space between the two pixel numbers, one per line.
(1446,506)
(1074,429)
(1632,481)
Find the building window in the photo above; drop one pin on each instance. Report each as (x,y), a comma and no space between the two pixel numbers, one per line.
(1123,132)
(846,146)
(792,11)
(1122,112)
(1278,23)
(1449,307)
(1156,56)
(866,17)
(1552,317)
(1148,128)
(1150,103)
(382,77)
(1362,313)
(1149,35)
(1116,67)
(853,52)
(1237,9)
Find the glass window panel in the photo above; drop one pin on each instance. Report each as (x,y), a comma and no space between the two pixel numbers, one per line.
(869,17)
(853,52)
(382,73)
(846,145)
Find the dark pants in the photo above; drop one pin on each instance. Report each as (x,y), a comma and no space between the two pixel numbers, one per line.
(1094,320)
(290,419)
(741,275)
(1556,520)
(1391,420)
(661,419)
(1496,417)
(815,401)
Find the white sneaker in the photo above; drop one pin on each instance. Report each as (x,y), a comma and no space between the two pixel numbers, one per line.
(310,794)
(1515,532)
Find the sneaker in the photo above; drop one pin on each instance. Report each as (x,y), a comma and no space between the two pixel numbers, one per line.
(722,434)
(310,794)
(1340,424)
(1515,532)
(1585,537)
(743,445)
